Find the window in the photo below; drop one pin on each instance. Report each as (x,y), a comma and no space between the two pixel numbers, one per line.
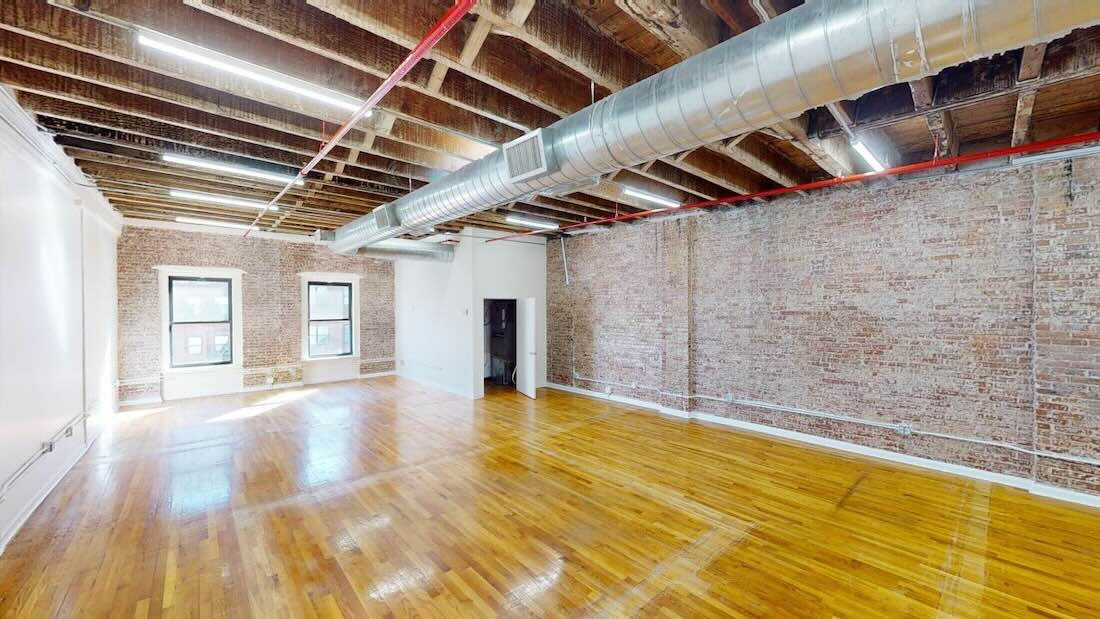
(200,325)
(329,319)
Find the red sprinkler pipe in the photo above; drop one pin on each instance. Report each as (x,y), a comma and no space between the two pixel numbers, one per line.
(833,182)
(437,32)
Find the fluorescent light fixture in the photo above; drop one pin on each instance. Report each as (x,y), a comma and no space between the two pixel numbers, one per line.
(642,195)
(868,156)
(227,168)
(1057,155)
(212,222)
(213,199)
(247,70)
(530,223)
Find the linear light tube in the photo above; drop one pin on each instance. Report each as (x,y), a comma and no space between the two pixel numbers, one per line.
(247,70)
(868,156)
(211,222)
(642,195)
(530,223)
(214,199)
(206,164)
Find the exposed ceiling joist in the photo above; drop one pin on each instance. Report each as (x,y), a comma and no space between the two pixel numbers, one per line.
(684,25)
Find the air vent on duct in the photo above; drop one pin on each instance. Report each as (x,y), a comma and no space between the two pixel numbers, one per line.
(525,157)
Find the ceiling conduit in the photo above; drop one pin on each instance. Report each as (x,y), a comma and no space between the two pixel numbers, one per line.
(821,52)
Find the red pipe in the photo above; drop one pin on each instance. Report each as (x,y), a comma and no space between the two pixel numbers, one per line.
(833,182)
(437,32)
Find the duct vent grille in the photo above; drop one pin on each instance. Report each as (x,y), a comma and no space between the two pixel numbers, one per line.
(525,156)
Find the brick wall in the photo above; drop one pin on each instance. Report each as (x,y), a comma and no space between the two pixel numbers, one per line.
(271,302)
(964,304)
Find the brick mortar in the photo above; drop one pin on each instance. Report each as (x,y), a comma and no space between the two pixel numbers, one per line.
(271,301)
(967,304)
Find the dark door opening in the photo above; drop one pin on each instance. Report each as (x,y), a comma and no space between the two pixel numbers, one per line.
(500,341)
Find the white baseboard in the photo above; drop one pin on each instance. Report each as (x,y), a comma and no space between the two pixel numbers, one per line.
(377,374)
(141,401)
(1032,486)
(272,387)
(33,504)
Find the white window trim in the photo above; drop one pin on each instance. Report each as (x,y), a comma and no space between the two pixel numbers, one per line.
(164,271)
(335,278)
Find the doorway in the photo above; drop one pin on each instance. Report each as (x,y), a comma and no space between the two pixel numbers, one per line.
(510,355)
(500,342)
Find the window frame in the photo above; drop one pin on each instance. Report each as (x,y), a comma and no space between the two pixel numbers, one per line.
(310,283)
(172,321)
(329,364)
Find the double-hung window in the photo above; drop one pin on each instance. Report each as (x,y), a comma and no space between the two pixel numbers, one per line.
(329,319)
(200,321)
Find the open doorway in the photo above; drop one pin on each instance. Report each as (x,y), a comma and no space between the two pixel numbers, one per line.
(500,342)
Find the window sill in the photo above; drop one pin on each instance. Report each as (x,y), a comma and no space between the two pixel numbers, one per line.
(203,369)
(323,359)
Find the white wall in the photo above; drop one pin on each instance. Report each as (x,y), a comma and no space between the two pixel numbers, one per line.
(57,312)
(440,308)
(514,269)
(432,303)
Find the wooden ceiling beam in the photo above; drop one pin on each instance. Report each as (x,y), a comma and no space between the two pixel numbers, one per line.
(113,37)
(137,180)
(1021,125)
(365,192)
(268,146)
(1074,57)
(203,146)
(757,156)
(550,27)
(333,219)
(718,170)
(39,55)
(528,80)
(308,28)
(1031,62)
(684,25)
(121,48)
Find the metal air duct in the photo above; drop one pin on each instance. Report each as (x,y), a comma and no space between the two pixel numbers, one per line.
(821,52)
(402,249)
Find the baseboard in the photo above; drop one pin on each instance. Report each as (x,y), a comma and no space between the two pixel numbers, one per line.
(378,374)
(271,387)
(1036,488)
(141,401)
(33,505)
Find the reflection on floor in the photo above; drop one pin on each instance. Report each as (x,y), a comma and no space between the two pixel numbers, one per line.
(386,498)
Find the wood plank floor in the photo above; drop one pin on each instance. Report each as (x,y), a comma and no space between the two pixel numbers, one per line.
(383,498)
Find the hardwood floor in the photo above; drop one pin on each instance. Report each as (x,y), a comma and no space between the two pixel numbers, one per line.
(385,498)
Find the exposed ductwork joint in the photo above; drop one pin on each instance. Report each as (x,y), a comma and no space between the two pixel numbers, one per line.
(403,249)
(819,53)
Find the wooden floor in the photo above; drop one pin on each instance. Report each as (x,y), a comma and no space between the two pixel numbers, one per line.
(384,498)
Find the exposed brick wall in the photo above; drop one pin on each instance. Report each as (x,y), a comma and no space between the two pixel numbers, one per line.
(271,302)
(1067,320)
(964,304)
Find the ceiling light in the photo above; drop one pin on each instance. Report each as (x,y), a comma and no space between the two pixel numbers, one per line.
(642,195)
(213,199)
(222,62)
(206,164)
(530,223)
(212,222)
(868,156)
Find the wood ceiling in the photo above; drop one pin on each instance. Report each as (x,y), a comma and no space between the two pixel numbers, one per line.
(513,65)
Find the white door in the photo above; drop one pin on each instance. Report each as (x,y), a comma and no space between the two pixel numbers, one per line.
(526,357)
